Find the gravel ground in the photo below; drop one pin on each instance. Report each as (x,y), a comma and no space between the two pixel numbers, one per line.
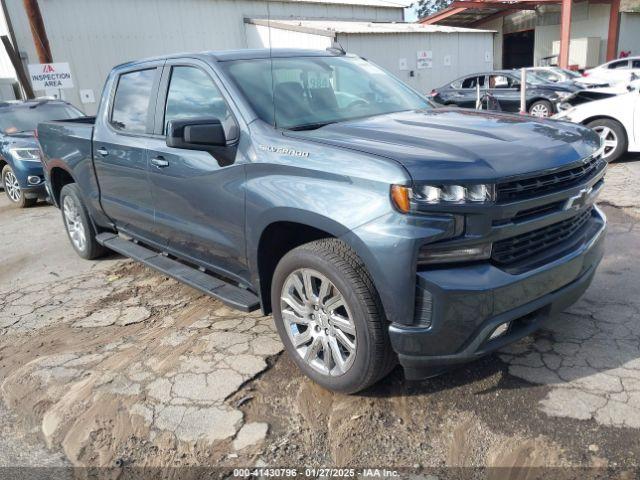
(106,363)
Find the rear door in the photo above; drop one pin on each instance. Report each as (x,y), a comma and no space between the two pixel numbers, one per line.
(199,204)
(469,90)
(122,134)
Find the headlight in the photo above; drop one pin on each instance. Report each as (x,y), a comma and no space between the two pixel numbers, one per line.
(562,95)
(406,199)
(25,154)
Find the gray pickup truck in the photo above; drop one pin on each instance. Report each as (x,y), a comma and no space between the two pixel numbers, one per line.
(314,185)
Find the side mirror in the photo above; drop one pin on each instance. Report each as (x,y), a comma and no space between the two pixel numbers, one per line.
(196,133)
(204,134)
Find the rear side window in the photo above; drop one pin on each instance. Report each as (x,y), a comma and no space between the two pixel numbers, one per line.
(131,102)
(620,64)
(635,64)
(472,82)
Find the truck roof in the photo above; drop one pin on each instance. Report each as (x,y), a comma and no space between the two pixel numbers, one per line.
(246,54)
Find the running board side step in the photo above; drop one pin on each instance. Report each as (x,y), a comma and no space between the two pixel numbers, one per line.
(227,293)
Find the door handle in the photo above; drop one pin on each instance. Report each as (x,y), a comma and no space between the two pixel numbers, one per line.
(103,152)
(159,162)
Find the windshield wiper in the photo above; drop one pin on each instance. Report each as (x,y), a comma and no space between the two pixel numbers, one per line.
(311,126)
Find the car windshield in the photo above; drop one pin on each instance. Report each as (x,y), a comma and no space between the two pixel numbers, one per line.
(304,93)
(25,117)
(535,79)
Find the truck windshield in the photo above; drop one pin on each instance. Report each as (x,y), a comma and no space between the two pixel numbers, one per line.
(25,117)
(304,93)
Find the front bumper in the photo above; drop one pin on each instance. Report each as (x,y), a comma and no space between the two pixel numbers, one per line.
(469,302)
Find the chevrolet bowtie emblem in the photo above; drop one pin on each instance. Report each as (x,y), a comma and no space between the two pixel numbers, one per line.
(582,199)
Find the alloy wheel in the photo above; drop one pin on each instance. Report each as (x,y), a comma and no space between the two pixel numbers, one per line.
(12,187)
(540,110)
(318,322)
(74,224)
(609,138)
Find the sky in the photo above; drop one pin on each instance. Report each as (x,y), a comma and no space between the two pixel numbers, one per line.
(410,14)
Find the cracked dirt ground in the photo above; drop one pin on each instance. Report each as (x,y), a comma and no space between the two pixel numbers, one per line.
(109,363)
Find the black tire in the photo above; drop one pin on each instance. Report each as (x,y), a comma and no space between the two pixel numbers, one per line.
(15,194)
(617,131)
(334,259)
(540,105)
(91,248)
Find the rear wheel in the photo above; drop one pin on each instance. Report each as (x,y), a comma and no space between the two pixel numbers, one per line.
(613,136)
(329,316)
(12,189)
(80,229)
(541,108)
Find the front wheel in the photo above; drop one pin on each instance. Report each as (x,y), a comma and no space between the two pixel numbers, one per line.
(541,108)
(12,189)
(79,227)
(330,318)
(613,136)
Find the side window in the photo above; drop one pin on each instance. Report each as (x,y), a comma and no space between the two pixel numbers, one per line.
(131,102)
(193,94)
(499,81)
(620,64)
(456,85)
(470,82)
(635,64)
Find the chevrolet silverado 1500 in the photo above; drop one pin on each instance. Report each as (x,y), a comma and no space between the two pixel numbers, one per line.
(319,188)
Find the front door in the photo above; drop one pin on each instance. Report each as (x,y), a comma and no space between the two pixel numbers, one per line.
(199,204)
(121,139)
(505,89)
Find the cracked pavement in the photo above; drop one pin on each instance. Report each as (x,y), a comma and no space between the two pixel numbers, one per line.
(109,362)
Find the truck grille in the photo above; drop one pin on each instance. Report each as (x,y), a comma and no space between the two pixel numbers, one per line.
(536,186)
(522,247)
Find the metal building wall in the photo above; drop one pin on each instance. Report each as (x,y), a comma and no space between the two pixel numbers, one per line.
(468,52)
(587,20)
(629,39)
(95,35)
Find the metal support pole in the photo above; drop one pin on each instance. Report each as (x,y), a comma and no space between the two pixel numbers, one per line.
(36,23)
(17,66)
(565,34)
(523,91)
(614,27)
(478,104)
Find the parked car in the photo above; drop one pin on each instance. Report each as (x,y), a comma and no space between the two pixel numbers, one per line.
(379,231)
(616,118)
(614,72)
(562,75)
(504,86)
(20,167)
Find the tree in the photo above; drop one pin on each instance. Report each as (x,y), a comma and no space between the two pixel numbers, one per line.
(428,7)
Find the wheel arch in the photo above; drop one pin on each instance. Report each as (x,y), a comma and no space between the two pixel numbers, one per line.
(276,240)
(58,178)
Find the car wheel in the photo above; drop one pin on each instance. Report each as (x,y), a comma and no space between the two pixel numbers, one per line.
(79,227)
(13,190)
(613,135)
(541,108)
(330,318)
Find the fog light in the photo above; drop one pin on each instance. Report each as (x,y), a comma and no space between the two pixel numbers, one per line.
(33,180)
(500,330)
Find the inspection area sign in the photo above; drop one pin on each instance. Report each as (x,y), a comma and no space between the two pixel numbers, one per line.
(46,76)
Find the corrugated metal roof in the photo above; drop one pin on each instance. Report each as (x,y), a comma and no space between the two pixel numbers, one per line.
(365,3)
(331,27)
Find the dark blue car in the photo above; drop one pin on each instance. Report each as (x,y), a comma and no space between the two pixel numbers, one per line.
(20,165)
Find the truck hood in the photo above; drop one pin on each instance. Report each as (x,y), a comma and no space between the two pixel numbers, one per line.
(455,144)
